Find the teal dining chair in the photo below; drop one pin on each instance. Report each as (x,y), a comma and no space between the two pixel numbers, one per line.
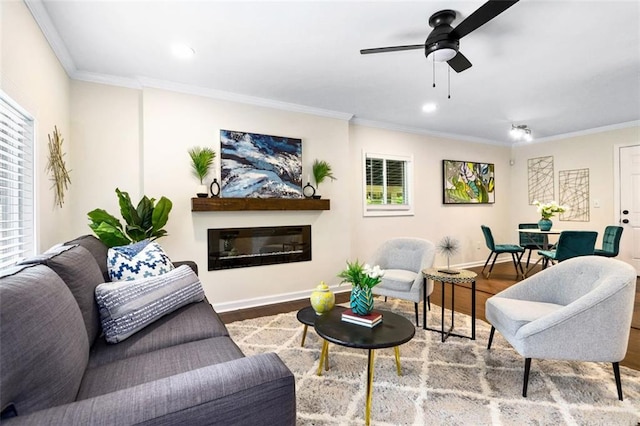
(529,241)
(570,244)
(610,242)
(515,250)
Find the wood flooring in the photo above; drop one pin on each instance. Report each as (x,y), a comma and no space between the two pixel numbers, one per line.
(503,276)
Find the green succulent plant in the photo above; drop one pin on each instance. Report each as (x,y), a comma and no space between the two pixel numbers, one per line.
(201,161)
(145,221)
(321,171)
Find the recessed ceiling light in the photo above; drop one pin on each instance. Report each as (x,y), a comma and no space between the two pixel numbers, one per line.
(182,51)
(429,107)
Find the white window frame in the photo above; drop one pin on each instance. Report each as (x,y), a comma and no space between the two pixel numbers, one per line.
(388,209)
(17,177)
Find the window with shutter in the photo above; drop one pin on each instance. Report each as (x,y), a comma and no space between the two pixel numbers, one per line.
(388,180)
(16,183)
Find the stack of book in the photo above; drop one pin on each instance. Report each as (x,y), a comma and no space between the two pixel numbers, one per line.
(371,320)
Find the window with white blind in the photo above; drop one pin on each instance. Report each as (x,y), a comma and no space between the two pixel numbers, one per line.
(16,183)
(388,181)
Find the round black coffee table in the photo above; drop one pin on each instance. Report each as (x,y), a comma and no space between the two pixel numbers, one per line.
(393,331)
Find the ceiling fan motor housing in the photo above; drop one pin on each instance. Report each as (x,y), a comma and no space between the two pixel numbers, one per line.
(439,38)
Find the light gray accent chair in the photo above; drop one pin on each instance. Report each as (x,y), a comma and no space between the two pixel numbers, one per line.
(579,310)
(403,260)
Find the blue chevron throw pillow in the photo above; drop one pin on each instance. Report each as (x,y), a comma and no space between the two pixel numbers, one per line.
(138,260)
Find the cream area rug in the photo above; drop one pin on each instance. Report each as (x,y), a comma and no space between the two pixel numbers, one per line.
(458,382)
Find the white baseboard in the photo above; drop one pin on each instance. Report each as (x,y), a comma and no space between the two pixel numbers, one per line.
(271,299)
(288,297)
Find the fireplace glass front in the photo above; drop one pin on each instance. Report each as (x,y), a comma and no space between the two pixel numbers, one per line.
(243,247)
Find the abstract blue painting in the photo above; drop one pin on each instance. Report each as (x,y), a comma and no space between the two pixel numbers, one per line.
(260,166)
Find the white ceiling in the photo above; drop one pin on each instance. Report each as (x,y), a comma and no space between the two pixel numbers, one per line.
(559,66)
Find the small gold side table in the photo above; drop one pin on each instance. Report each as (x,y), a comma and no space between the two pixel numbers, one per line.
(463,276)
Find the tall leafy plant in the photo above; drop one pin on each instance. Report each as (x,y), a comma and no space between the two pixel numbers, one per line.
(145,221)
(201,161)
(321,171)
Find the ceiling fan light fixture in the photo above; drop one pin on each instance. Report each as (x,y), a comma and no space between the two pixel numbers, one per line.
(442,51)
(443,55)
(521,132)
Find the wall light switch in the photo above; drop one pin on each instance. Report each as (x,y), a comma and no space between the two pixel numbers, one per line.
(596,204)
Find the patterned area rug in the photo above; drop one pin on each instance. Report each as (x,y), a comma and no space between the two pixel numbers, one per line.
(458,382)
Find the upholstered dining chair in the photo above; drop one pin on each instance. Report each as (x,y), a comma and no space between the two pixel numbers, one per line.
(570,244)
(610,242)
(579,310)
(515,250)
(530,241)
(403,260)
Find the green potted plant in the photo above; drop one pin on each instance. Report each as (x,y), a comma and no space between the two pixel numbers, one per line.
(145,221)
(201,162)
(321,171)
(362,278)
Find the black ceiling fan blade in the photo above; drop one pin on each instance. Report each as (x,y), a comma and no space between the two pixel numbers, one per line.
(459,62)
(391,49)
(484,14)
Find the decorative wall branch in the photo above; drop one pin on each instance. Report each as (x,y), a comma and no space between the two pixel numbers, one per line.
(574,193)
(57,167)
(540,179)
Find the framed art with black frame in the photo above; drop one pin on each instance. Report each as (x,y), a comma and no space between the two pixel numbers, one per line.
(467,182)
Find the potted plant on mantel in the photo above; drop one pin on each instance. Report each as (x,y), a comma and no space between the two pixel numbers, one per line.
(321,171)
(201,162)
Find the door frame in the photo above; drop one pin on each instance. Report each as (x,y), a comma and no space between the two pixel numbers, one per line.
(616,180)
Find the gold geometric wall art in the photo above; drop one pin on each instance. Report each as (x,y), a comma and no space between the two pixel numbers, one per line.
(540,179)
(574,194)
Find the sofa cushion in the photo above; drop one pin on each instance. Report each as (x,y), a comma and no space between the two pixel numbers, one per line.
(138,260)
(97,249)
(80,272)
(157,365)
(44,347)
(128,306)
(195,321)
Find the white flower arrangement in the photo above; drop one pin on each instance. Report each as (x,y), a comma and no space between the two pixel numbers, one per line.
(548,210)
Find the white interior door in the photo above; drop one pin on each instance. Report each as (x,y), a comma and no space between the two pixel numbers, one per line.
(630,205)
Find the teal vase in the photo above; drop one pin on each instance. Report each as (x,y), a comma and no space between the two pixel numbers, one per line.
(545,224)
(361,300)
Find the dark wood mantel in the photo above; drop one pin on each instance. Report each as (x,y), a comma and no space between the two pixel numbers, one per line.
(238,204)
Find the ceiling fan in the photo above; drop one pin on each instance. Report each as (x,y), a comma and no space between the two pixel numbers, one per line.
(444,41)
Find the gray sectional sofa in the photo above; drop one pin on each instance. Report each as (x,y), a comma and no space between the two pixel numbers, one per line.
(57,369)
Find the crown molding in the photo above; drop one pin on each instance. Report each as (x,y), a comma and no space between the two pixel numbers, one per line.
(110,80)
(244,99)
(140,83)
(419,131)
(41,16)
(608,128)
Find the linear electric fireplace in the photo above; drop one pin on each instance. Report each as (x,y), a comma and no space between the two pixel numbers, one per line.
(242,247)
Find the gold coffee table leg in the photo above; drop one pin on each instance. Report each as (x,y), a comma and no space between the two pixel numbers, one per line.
(304,335)
(397,350)
(367,410)
(323,355)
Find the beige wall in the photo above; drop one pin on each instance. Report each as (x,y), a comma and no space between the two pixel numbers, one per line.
(432,219)
(139,140)
(595,152)
(32,76)
(105,122)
